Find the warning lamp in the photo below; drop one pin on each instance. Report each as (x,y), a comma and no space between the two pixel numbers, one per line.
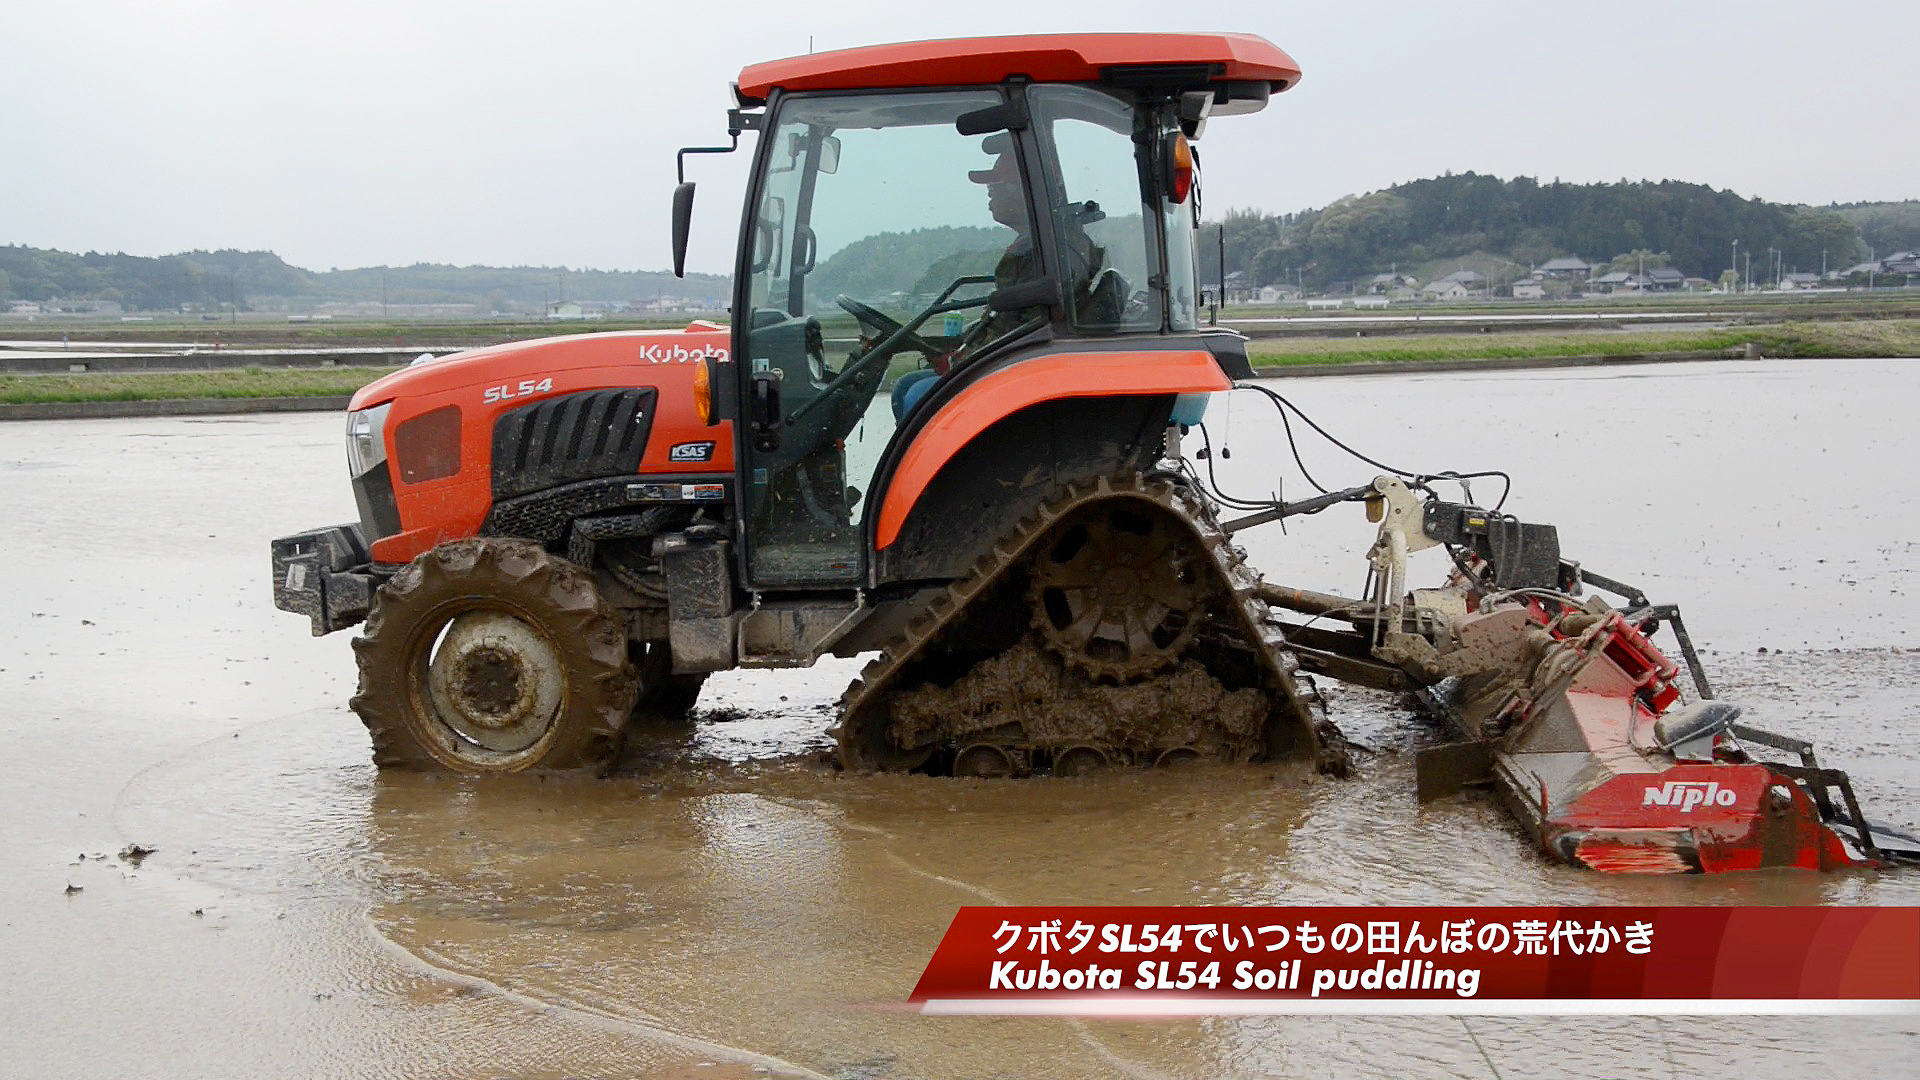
(702,393)
(1179,166)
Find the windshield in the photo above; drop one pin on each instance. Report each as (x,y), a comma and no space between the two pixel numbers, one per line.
(878,198)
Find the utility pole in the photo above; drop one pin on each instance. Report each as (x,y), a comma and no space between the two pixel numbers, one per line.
(1749,277)
(383,292)
(1736,260)
(1223,261)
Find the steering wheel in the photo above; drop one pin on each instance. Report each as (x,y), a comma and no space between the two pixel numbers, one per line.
(859,379)
(885,326)
(846,394)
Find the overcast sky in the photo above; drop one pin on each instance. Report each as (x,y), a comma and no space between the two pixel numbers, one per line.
(355,134)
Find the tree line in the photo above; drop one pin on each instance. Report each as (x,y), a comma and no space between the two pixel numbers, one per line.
(261,280)
(1502,225)
(1522,222)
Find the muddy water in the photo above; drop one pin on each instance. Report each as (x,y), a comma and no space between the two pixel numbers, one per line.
(733,908)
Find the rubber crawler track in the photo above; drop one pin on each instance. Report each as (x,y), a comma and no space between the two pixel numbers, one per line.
(861,733)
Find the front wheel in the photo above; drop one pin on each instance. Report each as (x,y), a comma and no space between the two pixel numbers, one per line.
(492,655)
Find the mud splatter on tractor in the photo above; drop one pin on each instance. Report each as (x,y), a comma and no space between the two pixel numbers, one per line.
(975,472)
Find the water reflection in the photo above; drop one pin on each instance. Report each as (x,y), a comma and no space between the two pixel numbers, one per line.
(730,899)
(774,914)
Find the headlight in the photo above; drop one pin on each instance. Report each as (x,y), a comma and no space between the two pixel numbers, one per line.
(366,439)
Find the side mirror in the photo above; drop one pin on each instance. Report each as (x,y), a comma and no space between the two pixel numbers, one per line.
(682,224)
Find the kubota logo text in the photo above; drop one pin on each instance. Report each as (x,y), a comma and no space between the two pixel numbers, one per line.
(1684,795)
(679,354)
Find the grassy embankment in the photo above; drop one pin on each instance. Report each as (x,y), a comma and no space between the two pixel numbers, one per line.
(1893,337)
(175,385)
(260,332)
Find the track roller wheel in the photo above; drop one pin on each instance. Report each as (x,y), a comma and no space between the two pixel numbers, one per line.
(983,760)
(1080,761)
(492,655)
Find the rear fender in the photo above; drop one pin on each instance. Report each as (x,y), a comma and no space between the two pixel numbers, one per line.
(1014,431)
(1027,382)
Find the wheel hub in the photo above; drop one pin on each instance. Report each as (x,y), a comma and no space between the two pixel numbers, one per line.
(1116,595)
(488,684)
(1121,587)
(495,681)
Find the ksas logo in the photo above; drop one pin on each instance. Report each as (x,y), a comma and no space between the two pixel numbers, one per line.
(1684,795)
(691,451)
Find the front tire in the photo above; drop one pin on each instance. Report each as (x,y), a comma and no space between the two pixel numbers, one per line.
(492,655)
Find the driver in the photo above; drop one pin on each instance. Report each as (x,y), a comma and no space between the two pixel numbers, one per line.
(1007,203)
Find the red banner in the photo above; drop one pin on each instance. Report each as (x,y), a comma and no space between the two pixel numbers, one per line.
(1211,960)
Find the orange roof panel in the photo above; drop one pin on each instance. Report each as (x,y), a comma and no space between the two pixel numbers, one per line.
(1041,57)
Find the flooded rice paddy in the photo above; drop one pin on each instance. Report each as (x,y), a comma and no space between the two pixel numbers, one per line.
(730,906)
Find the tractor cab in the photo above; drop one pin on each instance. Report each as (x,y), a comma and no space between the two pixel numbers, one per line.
(922,215)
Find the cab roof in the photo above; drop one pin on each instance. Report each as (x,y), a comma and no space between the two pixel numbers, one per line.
(1040,57)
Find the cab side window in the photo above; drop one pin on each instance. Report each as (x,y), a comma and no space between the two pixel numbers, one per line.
(1106,231)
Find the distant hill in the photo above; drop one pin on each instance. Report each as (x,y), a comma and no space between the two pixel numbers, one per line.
(262,281)
(1887,227)
(888,262)
(1483,223)
(1522,222)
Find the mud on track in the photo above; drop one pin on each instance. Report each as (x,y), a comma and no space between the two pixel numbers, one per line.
(730,907)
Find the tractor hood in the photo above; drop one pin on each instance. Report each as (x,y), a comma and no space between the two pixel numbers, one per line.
(498,370)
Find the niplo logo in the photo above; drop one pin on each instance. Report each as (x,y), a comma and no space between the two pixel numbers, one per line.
(1684,795)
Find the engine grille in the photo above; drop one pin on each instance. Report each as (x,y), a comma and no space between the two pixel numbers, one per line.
(574,437)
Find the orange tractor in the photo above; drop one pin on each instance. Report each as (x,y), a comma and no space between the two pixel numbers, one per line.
(944,427)
(965,321)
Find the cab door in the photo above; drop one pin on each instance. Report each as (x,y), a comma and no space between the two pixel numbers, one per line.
(863,216)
